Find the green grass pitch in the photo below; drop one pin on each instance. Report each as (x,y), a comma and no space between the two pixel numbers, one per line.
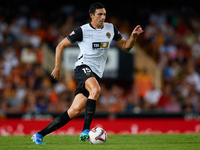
(114,142)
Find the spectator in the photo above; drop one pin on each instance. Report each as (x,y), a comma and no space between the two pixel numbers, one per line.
(28,55)
(21,91)
(151,99)
(164,99)
(29,103)
(193,78)
(9,60)
(172,106)
(196,49)
(107,99)
(143,83)
(118,93)
(60,87)
(169,48)
(130,103)
(42,104)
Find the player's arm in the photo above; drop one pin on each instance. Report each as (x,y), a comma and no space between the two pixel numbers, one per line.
(58,57)
(126,45)
(75,36)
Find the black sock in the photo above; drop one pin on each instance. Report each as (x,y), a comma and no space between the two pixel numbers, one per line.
(58,122)
(89,113)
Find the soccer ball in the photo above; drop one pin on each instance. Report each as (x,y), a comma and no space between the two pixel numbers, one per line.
(97,136)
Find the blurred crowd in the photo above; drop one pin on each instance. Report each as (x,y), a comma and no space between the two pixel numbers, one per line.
(171,38)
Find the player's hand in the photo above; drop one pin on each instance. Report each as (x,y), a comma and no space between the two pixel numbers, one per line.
(137,31)
(56,74)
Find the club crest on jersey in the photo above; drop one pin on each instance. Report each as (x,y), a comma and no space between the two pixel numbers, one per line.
(108,34)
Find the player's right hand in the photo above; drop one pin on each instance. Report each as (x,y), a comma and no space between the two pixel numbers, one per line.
(56,74)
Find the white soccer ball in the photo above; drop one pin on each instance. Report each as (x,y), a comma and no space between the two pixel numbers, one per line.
(97,136)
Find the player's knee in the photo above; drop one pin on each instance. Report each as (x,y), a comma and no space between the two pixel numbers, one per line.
(74,112)
(95,92)
(77,113)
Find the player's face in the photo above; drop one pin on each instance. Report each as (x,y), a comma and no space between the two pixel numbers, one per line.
(99,17)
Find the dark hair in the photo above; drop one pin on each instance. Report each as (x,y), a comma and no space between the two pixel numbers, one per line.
(95,6)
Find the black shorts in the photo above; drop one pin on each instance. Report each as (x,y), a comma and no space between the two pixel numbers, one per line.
(81,74)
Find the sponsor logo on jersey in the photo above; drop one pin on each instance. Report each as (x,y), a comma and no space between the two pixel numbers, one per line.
(96,45)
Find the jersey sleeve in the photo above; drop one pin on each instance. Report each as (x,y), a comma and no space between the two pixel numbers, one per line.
(76,35)
(117,35)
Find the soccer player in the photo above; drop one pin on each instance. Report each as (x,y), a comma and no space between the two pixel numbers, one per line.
(94,41)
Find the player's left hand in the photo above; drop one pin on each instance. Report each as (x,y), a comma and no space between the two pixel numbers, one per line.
(137,31)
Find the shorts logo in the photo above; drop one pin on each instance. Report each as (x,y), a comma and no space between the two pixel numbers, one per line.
(86,71)
(108,34)
(100,45)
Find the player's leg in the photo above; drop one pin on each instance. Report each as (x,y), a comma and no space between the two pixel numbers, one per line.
(94,90)
(77,106)
(75,109)
(92,86)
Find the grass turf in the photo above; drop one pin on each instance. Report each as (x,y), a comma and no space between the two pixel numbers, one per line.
(114,142)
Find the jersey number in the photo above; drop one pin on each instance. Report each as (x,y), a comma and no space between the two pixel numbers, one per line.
(86,70)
